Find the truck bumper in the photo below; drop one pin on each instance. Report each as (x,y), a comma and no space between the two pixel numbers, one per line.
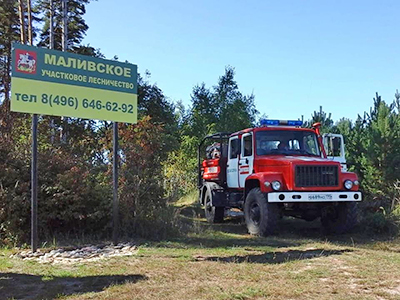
(307,197)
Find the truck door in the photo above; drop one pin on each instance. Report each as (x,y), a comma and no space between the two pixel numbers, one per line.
(232,175)
(246,158)
(334,148)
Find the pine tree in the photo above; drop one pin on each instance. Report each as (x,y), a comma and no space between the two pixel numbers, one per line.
(322,117)
(373,148)
(223,109)
(236,111)
(9,33)
(77,26)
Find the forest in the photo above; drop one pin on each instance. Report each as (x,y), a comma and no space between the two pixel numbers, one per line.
(158,157)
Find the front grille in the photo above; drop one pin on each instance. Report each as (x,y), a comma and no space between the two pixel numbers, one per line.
(314,175)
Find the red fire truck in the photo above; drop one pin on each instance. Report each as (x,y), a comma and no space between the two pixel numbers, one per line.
(274,170)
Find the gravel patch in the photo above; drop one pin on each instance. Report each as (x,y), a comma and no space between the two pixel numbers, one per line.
(78,255)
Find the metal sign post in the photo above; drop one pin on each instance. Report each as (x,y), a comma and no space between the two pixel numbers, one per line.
(115,185)
(34,183)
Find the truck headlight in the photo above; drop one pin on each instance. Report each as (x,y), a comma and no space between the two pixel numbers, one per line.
(348,184)
(276,185)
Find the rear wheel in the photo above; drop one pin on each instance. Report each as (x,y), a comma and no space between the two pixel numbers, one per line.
(340,219)
(213,214)
(261,216)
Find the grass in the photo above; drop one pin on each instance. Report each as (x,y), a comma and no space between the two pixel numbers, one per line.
(187,200)
(222,262)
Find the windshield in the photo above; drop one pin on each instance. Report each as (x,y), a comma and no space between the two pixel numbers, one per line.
(286,142)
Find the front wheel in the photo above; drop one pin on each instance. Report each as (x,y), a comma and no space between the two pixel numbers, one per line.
(213,214)
(340,219)
(261,216)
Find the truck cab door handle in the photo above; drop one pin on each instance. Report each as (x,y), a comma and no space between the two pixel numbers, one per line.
(245,162)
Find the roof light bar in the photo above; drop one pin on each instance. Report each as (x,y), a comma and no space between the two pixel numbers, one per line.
(266,122)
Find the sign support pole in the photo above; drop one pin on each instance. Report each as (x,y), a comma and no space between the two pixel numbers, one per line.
(115,185)
(51,29)
(34,183)
(64,41)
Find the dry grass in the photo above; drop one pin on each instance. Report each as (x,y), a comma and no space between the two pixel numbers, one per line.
(188,200)
(222,262)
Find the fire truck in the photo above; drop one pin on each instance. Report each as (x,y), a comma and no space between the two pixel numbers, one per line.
(277,169)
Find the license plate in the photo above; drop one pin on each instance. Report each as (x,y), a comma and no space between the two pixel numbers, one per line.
(320,197)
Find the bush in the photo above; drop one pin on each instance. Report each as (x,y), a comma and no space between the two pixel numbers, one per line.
(72,198)
(144,208)
(382,212)
(380,222)
(75,189)
(73,192)
(395,218)
(180,175)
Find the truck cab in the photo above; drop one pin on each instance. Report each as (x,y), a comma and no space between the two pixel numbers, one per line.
(277,169)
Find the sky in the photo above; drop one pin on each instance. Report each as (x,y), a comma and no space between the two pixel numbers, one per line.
(292,55)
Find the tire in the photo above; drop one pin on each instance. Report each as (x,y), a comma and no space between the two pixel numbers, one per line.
(213,214)
(340,219)
(261,217)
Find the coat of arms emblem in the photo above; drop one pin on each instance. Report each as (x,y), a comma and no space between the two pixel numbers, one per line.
(26,61)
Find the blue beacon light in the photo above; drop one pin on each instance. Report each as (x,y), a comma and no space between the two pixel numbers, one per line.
(266,122)
(295,123)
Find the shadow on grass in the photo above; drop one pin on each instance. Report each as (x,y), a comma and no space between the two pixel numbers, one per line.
(291,233)
(204,242)
(190,211)
(26,286)
(231,233)
(276,257)
(296,228)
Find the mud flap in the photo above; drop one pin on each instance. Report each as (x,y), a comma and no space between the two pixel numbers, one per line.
(218,198)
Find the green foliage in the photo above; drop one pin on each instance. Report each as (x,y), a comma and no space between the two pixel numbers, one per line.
(152,102)
(73,194)
(395,216)
(203,117)
(381,222)
(375,222)
(180,169)
(9,32)
(77,26)
(222,109)
(144,209)
(323,118)
(373,149)
(235,111)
